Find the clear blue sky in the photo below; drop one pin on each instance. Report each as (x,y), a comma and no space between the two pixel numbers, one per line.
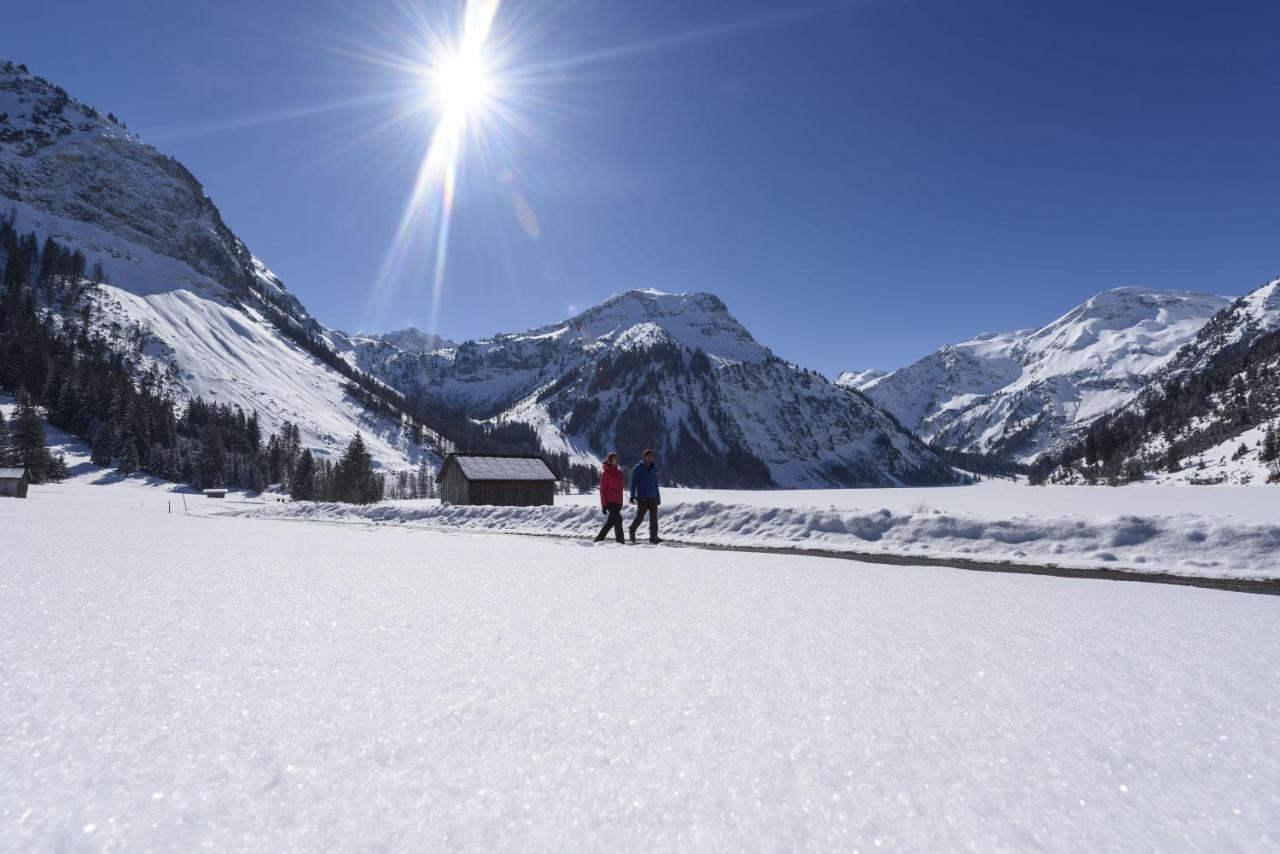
(860,184)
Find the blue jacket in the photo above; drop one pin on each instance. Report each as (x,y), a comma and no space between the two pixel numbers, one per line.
(644,481)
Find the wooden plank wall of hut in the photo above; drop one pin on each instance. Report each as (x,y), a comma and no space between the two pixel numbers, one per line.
(511,493)
(453,486)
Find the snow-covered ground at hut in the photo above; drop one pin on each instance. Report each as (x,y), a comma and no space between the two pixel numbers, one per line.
(1220,532)
(176,681)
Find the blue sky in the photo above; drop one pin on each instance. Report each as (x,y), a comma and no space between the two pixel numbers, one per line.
(860,182)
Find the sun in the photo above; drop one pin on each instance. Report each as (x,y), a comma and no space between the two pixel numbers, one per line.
(461,83)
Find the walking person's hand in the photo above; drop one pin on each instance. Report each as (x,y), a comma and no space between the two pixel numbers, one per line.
(604,510)
(633,499)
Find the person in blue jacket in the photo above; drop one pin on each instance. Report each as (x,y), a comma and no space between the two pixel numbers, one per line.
(645,495)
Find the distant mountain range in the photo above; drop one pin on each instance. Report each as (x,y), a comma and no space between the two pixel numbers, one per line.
(1018,394)
(676,372)
(1125,356)
(1133,379)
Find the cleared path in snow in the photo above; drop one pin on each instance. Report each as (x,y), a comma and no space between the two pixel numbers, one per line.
(172,681)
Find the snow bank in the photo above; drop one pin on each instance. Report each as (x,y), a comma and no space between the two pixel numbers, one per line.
(1180,544)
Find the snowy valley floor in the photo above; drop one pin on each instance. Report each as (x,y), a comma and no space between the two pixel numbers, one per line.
(172,681)
(1215,534)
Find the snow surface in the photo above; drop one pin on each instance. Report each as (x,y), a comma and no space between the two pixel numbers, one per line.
(1004,498)
(1183,544)
(173,682)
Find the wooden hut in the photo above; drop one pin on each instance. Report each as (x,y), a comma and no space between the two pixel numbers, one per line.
(508,481)
(13,482)
(216,492)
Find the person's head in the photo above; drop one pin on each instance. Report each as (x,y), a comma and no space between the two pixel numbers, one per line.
(611,459)
(647,456)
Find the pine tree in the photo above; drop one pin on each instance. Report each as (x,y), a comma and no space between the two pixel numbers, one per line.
(28,439)
(302,486)
(6,457)
(354,479)
(1091,448)
(213,457)
(253,432)
(101,445)
(129,462)
(58,469)
(1270,451)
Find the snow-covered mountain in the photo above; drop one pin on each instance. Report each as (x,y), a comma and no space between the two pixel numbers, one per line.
(1204,417)
(413,340)
(1239,325)
(677,372)
(210,309)
(1021,393)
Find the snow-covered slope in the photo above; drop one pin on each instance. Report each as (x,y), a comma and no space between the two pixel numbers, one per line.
(1251,316)
(679,373)
(859,379)
(1021,393)
(1204,415)
(211,310)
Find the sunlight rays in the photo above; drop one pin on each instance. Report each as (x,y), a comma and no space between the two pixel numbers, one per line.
(457,84)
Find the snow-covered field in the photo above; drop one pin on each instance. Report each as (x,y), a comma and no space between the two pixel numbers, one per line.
(1259,503)
(172,681)
(1218,532)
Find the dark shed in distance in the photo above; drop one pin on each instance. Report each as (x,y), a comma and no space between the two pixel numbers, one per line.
(13,482)
(508,481)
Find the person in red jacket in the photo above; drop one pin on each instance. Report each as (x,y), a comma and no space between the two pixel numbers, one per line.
(611,498)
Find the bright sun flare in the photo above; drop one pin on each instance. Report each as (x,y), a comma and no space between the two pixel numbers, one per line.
(462,83)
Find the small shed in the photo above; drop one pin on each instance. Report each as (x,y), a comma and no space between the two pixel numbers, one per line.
(217,492)
(14,482)
(504,480)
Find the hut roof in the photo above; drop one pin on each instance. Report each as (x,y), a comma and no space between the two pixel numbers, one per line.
(488,467)
(9,473)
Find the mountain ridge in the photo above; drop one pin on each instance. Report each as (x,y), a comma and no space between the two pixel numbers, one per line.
(649,368)
(1022,393)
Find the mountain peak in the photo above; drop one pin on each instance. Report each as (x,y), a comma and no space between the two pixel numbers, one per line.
(411,339)
(697,321)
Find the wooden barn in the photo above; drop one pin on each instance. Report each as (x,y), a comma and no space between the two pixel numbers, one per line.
(509,481)
(13,482)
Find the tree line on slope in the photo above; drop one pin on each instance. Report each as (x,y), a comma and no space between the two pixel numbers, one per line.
(95,386)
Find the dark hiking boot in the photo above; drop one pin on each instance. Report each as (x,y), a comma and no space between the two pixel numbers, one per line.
(655,540)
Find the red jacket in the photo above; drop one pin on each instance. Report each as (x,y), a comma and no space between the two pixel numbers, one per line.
(610,485)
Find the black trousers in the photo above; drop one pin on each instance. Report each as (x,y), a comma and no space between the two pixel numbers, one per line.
(649,507)
(614,521)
